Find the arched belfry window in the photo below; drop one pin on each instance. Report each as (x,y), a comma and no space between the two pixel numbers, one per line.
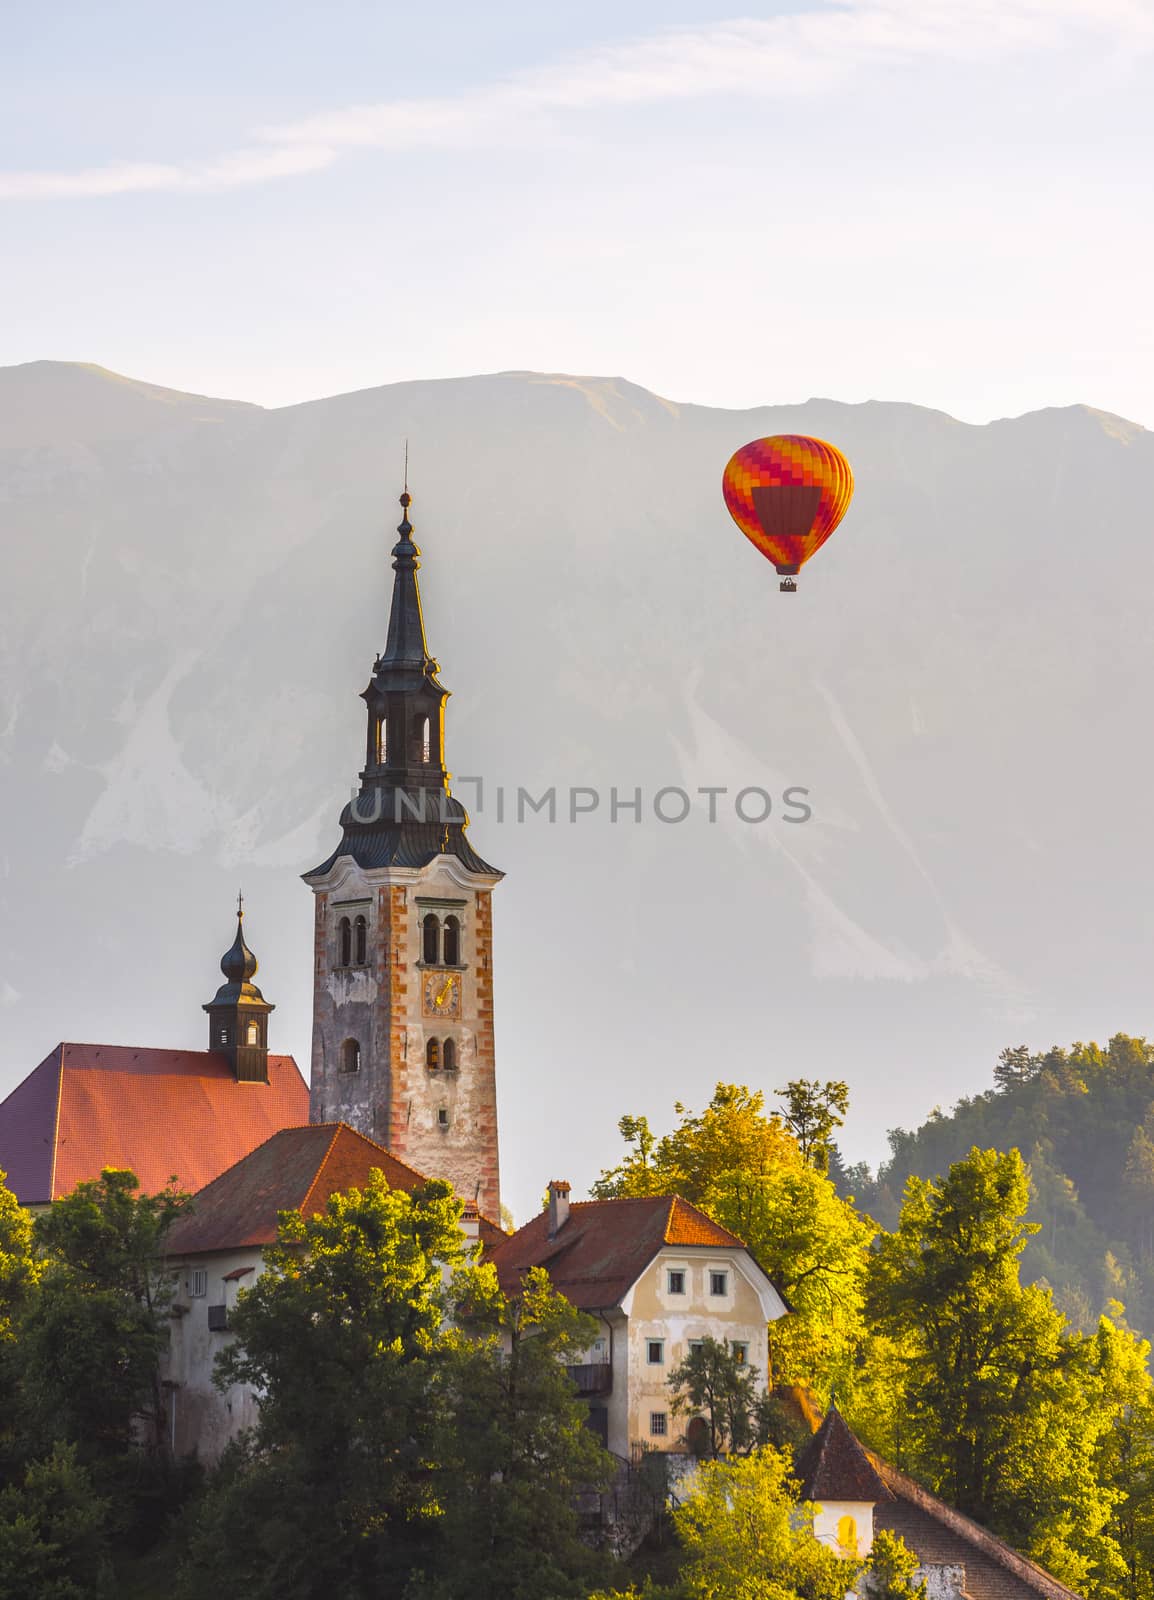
(431,940)
(426,742)
(344,942)
(382,741)
(252,1033)
(351,1056)
(360,942)
(433,1054)
(449,1056)
(452,944)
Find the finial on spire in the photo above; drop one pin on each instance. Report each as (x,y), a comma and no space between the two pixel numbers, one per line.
(240,905)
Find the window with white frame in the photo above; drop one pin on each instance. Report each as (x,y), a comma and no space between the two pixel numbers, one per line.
(719,1283)
(198,1282)
(658,1424)
(675,1280)
(655,1352)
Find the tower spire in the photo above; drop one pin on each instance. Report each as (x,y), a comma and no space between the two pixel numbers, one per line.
(238,1012)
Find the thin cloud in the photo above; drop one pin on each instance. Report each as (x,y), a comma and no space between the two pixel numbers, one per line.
(803,54)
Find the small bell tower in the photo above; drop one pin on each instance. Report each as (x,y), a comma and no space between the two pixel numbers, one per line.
(238,1012)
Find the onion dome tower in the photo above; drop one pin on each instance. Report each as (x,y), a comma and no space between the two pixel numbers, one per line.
(238,1012)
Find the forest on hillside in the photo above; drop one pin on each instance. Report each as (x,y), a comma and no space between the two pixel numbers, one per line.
(1083,1119)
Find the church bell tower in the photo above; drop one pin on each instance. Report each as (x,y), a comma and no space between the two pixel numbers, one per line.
(403,975)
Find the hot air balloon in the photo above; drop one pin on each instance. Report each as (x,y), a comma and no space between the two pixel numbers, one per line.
(787,495)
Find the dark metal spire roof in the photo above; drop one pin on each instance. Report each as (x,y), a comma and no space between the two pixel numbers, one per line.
(239,966)
(404,815)
(405,646)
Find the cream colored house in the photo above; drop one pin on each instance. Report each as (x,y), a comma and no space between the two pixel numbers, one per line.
(657,1275)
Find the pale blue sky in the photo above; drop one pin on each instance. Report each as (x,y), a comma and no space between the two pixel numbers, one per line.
(943,201)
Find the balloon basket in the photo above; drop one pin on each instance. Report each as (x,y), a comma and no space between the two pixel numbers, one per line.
(787,586)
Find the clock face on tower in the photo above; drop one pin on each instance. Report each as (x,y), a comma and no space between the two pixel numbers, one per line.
(441,994)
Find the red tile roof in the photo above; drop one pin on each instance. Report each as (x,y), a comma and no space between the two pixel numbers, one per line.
(604,1246)
(297,1169)
(163,1113)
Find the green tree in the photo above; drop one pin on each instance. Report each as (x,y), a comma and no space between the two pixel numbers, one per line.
(516,1451)
(815,1246)
(746,1538)
(891,1567)
(53,1532)
(814,1111)
(1005,1410)
(712,1381)
(418,1433)
(18,1270)
(732,1134)
(1015,1066)
(91,1336)
(342,1335)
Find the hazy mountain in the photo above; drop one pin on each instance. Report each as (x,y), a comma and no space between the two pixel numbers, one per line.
(192,593)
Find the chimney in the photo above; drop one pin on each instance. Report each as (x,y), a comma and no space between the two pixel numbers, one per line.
(558,1206)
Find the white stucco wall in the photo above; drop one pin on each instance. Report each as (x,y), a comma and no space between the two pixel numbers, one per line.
(829,1514)
(202,1420)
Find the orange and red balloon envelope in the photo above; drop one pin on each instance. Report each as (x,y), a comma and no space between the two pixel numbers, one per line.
(787,494)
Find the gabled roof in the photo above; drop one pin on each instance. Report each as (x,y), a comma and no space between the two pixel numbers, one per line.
(162,1113)
(834,1466)
(604,1246)
(296,1170)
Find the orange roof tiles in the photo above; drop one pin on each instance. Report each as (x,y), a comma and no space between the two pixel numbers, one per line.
(297,1169)
(162,1113)
(605,1245)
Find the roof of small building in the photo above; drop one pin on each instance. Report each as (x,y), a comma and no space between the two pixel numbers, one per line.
(604,1246)
(940,1536)
(936,1533)
(162,1113)
(834,1466)
(297,1169)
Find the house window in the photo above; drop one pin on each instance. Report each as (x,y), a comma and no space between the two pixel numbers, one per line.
(719,1283)
(675,1281)
(431,940)
(696,1344)
(433,1055)
(740,1352)
(655,1352)
(351,1056)
(449,1054)
(360,941)
(658,1424)
(443,1117)
(345,943)
(452,942)
(198,1282)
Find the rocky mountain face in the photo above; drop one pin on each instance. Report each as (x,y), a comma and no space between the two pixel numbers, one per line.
(191,595)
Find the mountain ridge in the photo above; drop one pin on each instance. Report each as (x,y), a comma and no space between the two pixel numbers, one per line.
(190,608)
